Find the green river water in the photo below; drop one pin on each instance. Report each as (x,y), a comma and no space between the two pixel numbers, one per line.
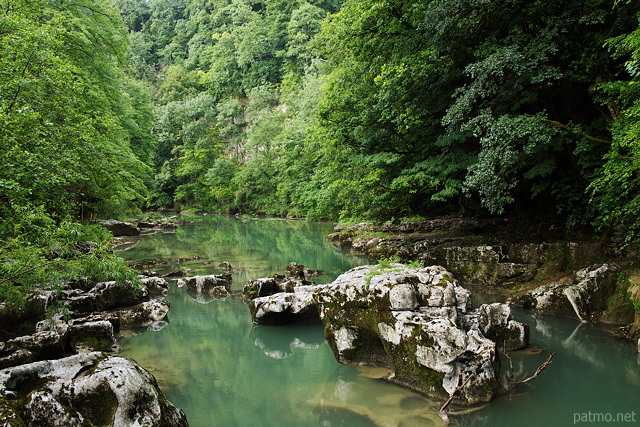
(211,361)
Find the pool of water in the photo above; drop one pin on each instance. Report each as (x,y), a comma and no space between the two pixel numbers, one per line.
(211,361)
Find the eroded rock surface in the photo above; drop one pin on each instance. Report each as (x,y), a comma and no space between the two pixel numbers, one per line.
(582,296)
(520,252)
(213,284)
(85,389)
(95,320)
(417,321)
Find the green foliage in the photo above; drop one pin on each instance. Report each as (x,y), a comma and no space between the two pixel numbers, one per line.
(385,265)
(67,129)
(387,109)
(39,253)
(616,189)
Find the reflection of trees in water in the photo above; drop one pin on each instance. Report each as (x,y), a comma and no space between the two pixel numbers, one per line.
(207,363)
(254,247)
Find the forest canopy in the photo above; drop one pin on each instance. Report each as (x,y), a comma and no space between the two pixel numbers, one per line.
(354,110)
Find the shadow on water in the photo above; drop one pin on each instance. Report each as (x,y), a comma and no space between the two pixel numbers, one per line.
(224,371)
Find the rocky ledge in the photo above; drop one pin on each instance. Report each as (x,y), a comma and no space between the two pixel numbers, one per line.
(96,315)
(416,321)
(89,389)
(542,267)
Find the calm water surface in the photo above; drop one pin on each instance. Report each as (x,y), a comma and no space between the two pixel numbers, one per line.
(222,370)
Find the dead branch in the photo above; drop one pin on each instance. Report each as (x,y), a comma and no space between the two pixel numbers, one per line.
(442,412)
(504,352)
(539,370)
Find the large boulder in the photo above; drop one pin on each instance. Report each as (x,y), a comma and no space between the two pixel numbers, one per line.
(284,308)
(215,284)
(266,286)
(120,228)
(417,321)
(85,389)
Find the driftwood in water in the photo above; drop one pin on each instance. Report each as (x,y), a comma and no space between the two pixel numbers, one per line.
(442,412)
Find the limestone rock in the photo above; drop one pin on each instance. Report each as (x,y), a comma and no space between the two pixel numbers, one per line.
(225,266)
(87,389)
(410,320)
(496,324)
(30,348)
(144,314)
(584,297)
(205,284)
(89,334)
(417,321)
(285,307)
(155,285)
(22,318)
(261,287)
(299,271)
(272,285)
(104,296)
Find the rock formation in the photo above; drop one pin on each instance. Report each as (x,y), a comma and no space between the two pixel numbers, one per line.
(85,389)
(95,320)
(582,295)
(417,321)
(120,228)
(215,285)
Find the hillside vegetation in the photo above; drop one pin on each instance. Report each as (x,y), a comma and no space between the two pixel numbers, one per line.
(368,109)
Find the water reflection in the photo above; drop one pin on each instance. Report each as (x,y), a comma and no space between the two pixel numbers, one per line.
(590,372)
(224,371)
(352,396)
(279,342)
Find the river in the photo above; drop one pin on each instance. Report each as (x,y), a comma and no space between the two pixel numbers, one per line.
(211,361)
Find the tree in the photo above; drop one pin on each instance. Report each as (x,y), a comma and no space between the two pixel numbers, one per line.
(616,189)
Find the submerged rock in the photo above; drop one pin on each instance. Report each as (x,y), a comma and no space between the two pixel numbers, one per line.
(85,389)
(417,321)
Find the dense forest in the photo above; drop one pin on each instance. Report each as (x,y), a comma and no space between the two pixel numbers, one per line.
(362,109)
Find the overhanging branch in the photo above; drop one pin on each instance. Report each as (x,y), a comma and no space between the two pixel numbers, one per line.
(584,135)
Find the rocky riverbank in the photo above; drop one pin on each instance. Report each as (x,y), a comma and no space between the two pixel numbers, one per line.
(539,267)
(63,369)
